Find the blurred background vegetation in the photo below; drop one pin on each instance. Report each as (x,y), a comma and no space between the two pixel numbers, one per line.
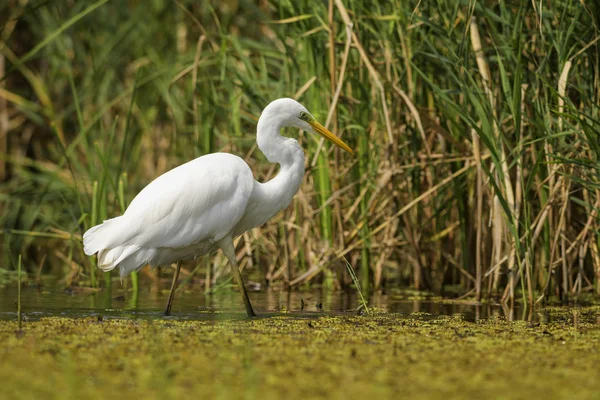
(476,125)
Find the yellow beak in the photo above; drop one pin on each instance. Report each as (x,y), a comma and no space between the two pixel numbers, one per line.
(321,130)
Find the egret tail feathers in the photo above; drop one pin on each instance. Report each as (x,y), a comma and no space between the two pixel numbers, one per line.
(127,258)
(107,240)
(104,236)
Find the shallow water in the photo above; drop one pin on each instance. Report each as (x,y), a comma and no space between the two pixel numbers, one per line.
(192,304)
(111,343)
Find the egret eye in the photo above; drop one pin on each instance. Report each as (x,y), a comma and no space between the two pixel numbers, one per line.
(303,115)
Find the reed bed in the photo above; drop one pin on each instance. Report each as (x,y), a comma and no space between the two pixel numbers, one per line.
(476,126)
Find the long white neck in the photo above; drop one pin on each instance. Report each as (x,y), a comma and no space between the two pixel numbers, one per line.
(276,148)
(279,191)
(273,196)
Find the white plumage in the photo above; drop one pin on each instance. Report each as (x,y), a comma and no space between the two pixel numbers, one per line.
(179,215)
(205,203)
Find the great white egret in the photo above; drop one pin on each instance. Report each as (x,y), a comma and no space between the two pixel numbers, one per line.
(205,203)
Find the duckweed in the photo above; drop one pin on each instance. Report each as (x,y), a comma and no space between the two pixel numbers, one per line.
(295,357)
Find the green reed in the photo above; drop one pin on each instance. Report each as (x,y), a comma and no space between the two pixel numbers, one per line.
(356,282)
(475,125)
(19,316)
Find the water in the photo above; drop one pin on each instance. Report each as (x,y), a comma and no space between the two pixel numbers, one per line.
(191,303)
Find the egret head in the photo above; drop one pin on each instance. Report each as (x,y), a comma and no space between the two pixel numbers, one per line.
(293,114)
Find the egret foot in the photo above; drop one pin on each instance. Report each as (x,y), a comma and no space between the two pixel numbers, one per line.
(173,288)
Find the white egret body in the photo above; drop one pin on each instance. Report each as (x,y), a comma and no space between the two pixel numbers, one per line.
(205,203)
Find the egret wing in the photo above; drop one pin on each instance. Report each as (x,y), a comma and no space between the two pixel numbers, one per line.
(197,201)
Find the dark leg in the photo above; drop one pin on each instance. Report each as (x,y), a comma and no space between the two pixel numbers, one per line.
(230,254)
(173,288)
(240,283)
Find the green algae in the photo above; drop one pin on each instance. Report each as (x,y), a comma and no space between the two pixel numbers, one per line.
(287,356)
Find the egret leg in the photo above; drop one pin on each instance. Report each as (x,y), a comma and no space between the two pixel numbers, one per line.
(173,288)
(230,254)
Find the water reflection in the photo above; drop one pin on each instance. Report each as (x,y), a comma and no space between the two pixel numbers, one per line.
(192,303)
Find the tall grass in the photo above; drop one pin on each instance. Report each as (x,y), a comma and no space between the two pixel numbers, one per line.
(476,126)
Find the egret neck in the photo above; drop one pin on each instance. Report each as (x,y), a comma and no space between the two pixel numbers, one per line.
(273,196)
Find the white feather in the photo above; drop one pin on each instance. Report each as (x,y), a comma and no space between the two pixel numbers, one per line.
(179,214)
